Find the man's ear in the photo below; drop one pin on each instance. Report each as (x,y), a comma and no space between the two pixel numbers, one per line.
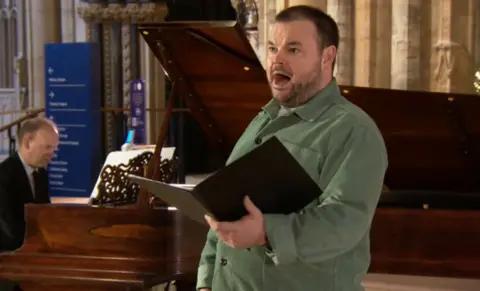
(329,54)
(27,139)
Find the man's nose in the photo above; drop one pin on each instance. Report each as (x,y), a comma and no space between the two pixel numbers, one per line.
(279,57)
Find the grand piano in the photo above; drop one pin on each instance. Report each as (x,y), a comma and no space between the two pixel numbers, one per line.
(427,222)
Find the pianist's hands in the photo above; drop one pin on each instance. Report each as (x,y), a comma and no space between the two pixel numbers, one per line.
(247,232)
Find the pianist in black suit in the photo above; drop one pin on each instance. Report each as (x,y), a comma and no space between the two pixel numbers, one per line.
(23,178)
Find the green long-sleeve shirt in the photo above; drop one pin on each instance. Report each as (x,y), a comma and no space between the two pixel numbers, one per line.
(326,246)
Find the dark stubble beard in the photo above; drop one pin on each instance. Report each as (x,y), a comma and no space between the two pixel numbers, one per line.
(302,92)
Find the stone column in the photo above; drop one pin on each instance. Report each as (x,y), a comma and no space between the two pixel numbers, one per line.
(68,20)
(267,12)
(372,43)
(44,27)
(406,49)
(476,37)
(322,4)
(453,49)
(280,4)
(79,23)
(153,74)
(342,11)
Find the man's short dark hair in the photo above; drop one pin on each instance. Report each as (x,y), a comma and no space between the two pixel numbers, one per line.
(327,28)
(32,125)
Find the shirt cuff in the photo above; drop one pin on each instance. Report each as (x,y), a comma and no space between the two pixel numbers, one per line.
(281,239)
(205,276)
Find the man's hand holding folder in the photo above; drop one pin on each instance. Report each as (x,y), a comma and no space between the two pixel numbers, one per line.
(247,232)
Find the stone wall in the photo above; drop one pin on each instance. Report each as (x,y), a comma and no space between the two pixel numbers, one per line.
(429,45)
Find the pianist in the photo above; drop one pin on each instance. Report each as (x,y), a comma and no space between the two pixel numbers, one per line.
(23,178)
(326,246)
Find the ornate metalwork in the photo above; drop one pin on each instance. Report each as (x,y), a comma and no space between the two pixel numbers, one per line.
(126,64)
(116,189)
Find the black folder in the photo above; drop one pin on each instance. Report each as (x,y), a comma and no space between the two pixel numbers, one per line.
(269,175)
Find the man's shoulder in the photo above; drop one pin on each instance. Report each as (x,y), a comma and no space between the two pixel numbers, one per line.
(9,166)
(7,163)
(353,118)
(350,122)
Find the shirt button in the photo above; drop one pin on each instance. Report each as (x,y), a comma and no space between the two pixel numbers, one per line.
(258,140)
(223,262)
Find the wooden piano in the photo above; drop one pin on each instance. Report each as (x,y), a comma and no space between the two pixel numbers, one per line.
(427,224)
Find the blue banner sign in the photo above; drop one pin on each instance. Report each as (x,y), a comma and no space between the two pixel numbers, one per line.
(137,111)
(72,92)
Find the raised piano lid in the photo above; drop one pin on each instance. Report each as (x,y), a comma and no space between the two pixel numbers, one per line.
(216,71)
(432,138)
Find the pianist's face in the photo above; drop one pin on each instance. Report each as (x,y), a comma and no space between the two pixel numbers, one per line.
(295,66)
(40,146)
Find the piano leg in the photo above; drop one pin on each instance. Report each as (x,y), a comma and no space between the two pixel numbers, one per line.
(184,286)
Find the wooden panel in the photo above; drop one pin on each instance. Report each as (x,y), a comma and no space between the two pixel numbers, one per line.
(432,138)
(77,244)
(439,243)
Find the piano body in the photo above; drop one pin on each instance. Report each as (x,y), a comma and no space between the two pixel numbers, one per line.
(428,224)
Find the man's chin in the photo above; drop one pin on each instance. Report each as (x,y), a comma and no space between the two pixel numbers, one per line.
(282,97)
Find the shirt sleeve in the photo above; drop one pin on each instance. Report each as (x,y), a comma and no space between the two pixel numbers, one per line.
(352,176)
(206,267)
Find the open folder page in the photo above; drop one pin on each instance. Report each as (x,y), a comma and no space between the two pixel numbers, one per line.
(269,175)
(174,195)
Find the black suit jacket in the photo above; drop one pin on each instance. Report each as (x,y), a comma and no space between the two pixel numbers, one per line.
(15,192)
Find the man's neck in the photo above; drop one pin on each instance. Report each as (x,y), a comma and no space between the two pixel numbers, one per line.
(24,157)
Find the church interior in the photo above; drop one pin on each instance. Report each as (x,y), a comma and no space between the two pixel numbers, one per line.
(170,85)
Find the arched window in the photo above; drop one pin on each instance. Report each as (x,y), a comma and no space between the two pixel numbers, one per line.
(8,42)
(11,44)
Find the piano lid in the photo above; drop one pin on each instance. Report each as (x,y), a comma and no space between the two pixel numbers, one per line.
(433,139)
(216,71)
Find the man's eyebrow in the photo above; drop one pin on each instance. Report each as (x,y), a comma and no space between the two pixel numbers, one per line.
(294,43)
(290,43)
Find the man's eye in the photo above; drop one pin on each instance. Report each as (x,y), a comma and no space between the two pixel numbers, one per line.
(272,49)
(294,50)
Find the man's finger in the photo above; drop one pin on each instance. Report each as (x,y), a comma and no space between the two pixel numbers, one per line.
(212,222)
(221,226)
(251,208)
(227,226)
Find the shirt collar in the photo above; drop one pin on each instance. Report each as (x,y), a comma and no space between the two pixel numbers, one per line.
(314,107)
(29,169)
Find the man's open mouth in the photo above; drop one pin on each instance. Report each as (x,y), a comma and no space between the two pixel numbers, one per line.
(280,79)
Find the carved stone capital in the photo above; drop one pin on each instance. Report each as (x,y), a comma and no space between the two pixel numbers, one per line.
(129,13)
(151,12)
(113,12)
(91,12)
(132,11)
